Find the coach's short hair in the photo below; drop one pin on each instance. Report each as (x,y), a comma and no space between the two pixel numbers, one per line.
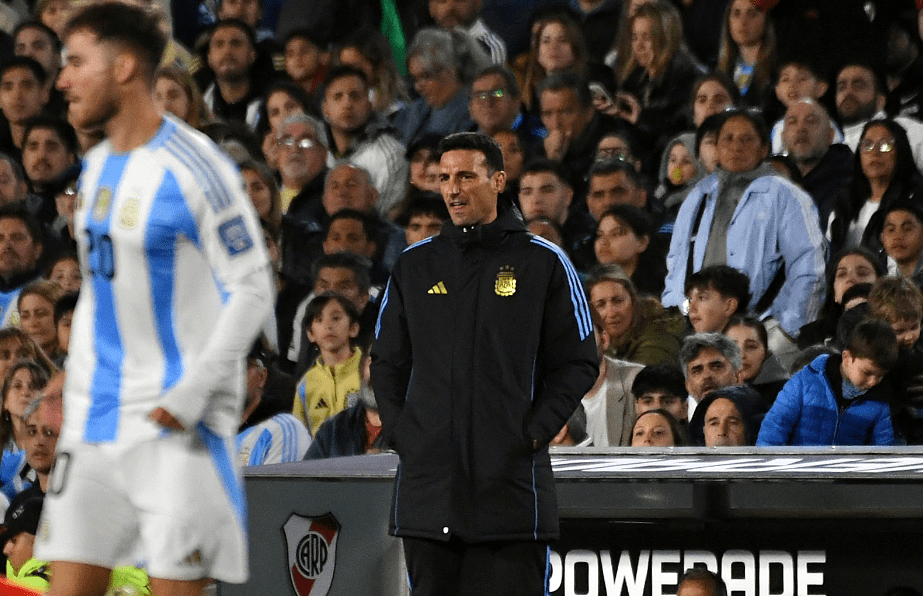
(697,342)
(474,141)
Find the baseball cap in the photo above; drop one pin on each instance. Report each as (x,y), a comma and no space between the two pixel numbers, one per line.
(23,517)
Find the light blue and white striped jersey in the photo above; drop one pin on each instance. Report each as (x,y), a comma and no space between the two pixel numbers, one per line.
(162,231)
(9,312)
(277,440)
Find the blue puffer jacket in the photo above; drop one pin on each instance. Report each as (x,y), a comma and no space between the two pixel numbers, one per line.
(806,412)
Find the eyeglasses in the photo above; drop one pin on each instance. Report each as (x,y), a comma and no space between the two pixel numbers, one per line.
(614,153)
(885,146)
(488,95)
(304,143)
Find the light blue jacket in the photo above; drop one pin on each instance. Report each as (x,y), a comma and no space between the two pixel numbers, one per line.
(775,225)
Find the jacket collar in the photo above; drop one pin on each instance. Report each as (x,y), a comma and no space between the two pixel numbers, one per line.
(509,221)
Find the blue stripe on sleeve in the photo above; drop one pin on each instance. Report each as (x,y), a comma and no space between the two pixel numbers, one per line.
(209,178)
(106,386)
(260,448)
(381,309)
(581,308)
(169,217)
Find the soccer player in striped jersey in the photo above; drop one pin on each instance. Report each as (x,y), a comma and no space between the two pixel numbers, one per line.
(176,285)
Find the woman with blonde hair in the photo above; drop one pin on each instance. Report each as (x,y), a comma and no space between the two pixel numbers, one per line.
(657,74)
(748,51)
(36,314)
(176,92)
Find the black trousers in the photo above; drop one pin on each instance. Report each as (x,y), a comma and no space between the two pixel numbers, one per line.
(456,568)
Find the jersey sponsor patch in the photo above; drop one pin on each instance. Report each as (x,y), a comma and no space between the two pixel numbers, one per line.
(235,237)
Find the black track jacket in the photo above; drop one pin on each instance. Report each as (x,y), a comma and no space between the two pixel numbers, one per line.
(484,343)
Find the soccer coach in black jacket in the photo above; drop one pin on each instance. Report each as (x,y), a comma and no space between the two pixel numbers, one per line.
(484,347)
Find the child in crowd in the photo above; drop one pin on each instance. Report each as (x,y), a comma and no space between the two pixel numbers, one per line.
(716,294)
(898,302)
(798,80)
(20,525)
(902,239)
(423,217)
(679,171)
(706,143)
(63,315)
(65,271)
(305,60)
(332,384)
(661,386)
(837,400)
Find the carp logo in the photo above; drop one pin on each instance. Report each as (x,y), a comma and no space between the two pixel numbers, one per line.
(506,282)
(312,544)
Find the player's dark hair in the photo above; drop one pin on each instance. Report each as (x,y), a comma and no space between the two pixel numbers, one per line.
(474,141)
(726,280)
(59,125)
(65,304)
(318,303)
(30,64)
(873,340)
(124,24)
(346,260)
(659,377)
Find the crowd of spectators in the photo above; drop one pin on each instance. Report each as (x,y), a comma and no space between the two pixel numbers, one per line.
(739,182)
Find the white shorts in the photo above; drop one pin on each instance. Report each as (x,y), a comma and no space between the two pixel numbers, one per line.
(174,506)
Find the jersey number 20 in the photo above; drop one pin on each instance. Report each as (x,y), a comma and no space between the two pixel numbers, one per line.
(101,256)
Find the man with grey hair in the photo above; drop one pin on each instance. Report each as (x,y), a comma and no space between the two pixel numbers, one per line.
(303,159)
(709,361)
(442,65)
(825,166)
